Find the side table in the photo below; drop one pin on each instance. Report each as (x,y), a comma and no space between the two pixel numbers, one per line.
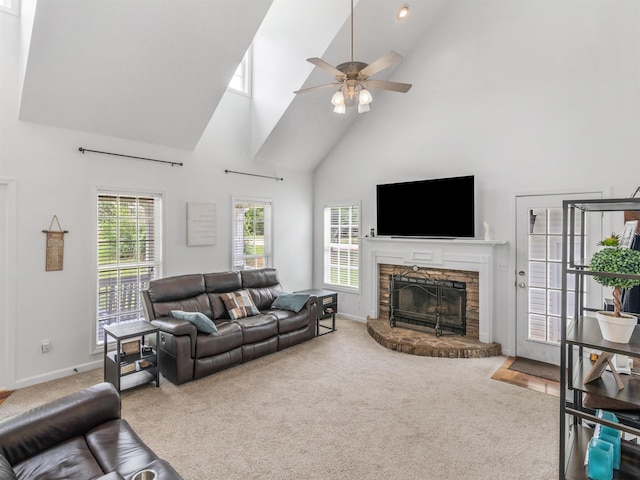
(327,308)
(130,363)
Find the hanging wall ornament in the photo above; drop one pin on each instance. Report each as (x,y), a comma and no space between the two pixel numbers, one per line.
(55,246)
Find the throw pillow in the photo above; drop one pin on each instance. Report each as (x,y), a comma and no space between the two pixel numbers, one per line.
(200,320)
(290,301)
(239,304)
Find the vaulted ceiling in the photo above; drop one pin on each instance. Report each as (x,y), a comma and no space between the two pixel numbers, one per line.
(155,71)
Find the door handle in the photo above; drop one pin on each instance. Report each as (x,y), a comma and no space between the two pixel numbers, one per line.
(521,285)
(521,273)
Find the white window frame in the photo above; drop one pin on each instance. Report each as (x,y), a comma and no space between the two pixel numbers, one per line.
(10,6)
(238,260)
(328,246)
(241,80)
(158,263)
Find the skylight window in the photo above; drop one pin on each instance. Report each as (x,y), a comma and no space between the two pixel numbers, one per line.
(10,6)
(241,81)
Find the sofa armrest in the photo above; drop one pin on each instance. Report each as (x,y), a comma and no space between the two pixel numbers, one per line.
(175,326)
(111,476)
(40,428)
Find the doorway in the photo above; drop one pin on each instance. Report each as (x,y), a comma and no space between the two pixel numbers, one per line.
(7,272)
(539,273)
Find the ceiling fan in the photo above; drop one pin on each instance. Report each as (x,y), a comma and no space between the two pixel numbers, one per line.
(353,79)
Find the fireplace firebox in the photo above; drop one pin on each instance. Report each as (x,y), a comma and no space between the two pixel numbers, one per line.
(437,304)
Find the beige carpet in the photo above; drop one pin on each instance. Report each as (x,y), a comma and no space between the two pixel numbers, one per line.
(340,407)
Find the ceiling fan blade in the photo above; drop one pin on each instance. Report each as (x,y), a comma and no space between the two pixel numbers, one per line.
(380,64)
(384,85)
(318,62)
(319,87)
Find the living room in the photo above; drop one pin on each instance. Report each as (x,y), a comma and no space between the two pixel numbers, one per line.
(531,97)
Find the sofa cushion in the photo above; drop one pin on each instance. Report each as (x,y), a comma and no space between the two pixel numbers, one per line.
(239,304)
(289,321)
(217,306)
(70,459)
(229,337)
(258,328)
(263,297)
(203,323)
(263,277)
(6,472)
(117,447)
(290,301)
(199,303)
(176,288)
(222,282)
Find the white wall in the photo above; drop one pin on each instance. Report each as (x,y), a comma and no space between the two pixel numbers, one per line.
(528,96)
(53,178)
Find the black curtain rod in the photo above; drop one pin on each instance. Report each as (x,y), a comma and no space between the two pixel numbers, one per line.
(82,150)
(277,179)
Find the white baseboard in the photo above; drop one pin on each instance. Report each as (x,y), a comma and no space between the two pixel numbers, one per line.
(352,317)
(65,372)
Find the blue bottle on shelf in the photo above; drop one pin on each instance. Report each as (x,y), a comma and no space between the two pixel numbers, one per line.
(600,466)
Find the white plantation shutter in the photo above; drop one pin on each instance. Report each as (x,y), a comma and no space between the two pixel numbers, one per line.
(252,234)
(342,246)
(129,252)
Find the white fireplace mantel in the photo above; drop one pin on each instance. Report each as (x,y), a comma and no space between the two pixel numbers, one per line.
(449,254)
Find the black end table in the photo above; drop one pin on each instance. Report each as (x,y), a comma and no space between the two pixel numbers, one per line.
(327,308)
(128,364)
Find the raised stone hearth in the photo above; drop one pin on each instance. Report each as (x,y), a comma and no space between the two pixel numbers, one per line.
(427,344)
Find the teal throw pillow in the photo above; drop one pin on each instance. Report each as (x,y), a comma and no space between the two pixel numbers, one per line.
(290,301)
(200,320)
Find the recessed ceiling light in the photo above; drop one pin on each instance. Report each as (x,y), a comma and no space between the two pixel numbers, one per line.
(403,12)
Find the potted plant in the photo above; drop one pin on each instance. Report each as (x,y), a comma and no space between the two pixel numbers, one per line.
(615,325)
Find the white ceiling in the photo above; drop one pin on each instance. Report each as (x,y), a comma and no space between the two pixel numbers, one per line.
(155,70)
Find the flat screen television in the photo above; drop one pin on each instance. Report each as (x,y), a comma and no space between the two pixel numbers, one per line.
(442,207)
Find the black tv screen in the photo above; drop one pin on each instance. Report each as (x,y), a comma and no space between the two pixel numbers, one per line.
(442,207)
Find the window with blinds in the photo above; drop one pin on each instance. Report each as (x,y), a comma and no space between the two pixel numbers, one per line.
(129,255)
(241,80)
(252,234)
(342,246)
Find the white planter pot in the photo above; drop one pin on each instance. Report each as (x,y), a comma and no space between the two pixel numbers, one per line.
(616,329)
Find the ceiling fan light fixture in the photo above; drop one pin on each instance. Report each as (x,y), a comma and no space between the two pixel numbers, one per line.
(337,99)
(365,97)
(342,109)
(403,12)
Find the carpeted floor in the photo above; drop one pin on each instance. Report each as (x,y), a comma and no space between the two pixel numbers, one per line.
(535,368)
(339,407)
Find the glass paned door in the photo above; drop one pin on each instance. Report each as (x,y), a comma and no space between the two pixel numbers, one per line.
(539,275)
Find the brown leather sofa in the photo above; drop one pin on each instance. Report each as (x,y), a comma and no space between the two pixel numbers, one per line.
(186,354)
(77,437)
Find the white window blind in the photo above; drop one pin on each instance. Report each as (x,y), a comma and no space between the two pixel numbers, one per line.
(252,234)
(129,255)
(342,246)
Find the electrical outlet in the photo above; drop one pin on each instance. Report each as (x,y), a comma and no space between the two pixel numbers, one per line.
(45,346)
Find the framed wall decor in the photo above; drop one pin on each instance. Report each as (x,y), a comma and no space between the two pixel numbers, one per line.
(201,224)
(628,234)
(129,348)
(55,247)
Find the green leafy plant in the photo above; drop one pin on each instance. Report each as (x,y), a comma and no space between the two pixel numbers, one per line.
(612,240)
(619,261)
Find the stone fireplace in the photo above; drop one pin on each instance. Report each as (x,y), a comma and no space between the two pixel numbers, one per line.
(393,281)
(453,263)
